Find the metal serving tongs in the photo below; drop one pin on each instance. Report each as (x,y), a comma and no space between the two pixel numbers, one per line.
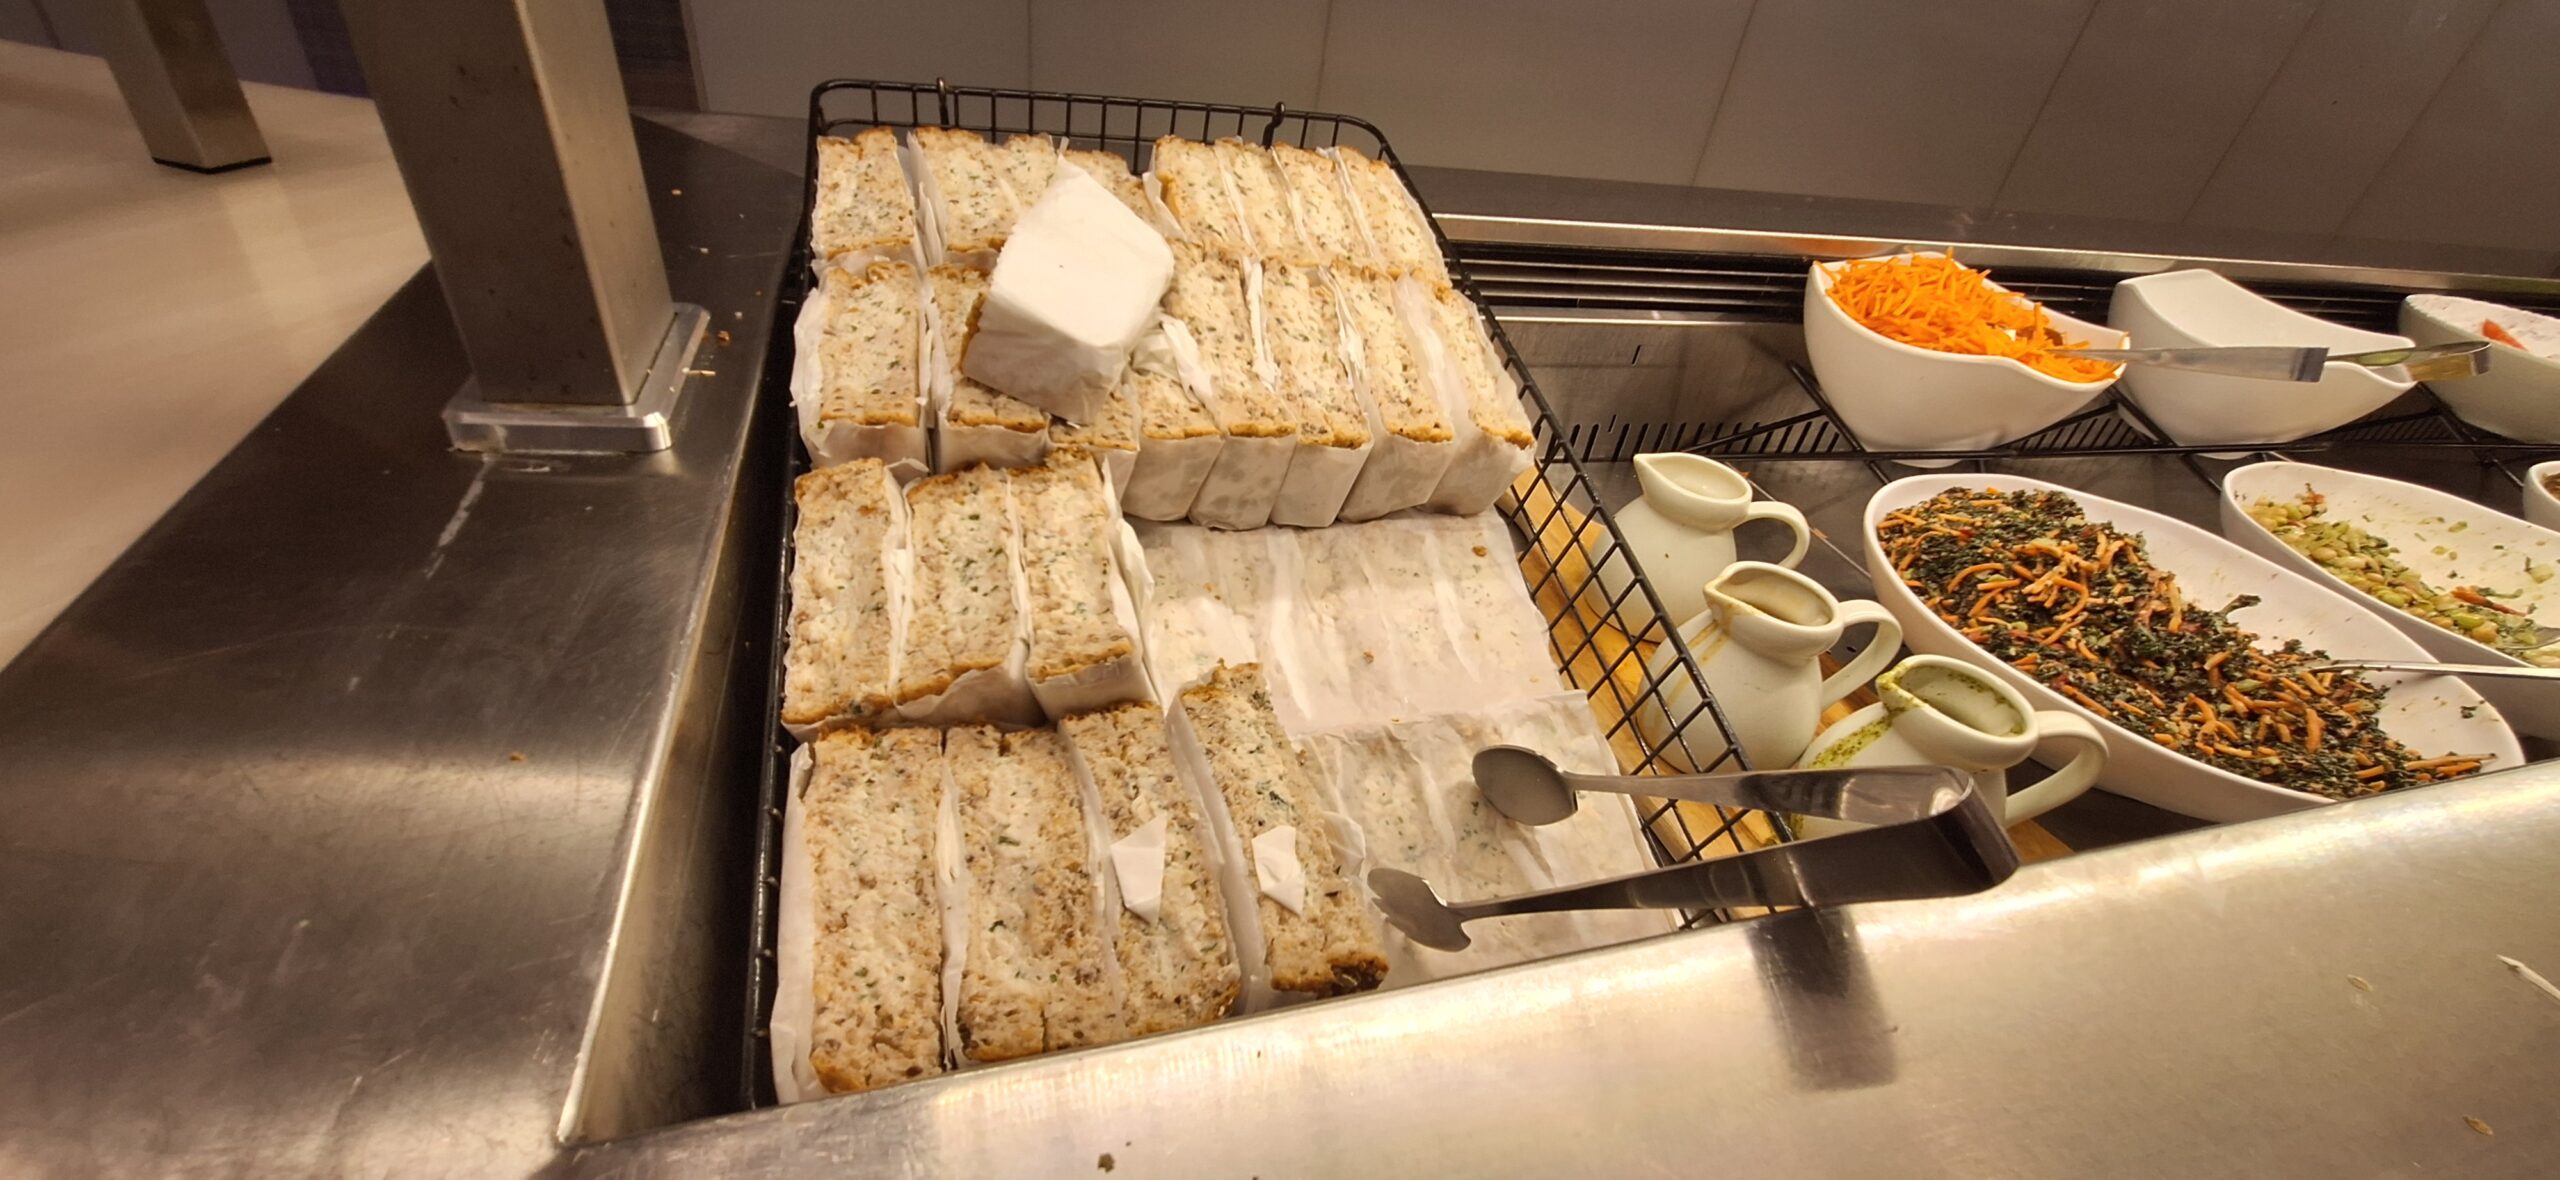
(2435,362)
(2484,671)
(1933,837)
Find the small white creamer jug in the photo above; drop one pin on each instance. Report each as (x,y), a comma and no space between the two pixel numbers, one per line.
(1680,533)
(1935,711)
(1759,644)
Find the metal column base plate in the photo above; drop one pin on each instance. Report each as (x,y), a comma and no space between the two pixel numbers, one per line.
(476,424)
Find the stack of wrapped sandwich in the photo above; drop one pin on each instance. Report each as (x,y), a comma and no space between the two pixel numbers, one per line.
(970,895)
(1295,354)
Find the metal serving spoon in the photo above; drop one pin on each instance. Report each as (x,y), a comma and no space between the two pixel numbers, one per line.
(2435,362)
(1934,838)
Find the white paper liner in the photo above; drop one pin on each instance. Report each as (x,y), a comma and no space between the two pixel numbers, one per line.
(906,449)
(1063,348)
(894,563)
(1167,473)
(1111,681)
(1502,638)
(1190,628)
(951,872)
(1000,695)
(1244,483)
(795,1002)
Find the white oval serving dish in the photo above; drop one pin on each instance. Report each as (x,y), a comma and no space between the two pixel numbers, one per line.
(2424,712)
(2201,309)
(2519,395)
(2444,539)
(2540,506)
(1900,397)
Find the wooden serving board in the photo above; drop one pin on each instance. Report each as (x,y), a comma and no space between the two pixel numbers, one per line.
(1578,618)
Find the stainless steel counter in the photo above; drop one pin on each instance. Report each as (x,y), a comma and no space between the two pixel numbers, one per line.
(385,809)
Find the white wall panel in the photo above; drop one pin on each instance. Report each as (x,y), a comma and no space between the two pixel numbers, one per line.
(2482,165)
(1263,52)
(762,56)
(1606,89)
(2154,91)
(1908,100)
(2351,89)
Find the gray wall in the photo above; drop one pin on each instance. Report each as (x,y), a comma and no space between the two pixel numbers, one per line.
(2413,120)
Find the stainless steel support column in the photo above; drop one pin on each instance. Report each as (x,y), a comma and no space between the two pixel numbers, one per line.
(508,121)
(178,83)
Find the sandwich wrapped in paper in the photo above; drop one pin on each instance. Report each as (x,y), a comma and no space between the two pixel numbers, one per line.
(1212,295)
(1188,188)
(848,597)
(857,371)
(964,204)
(1113,436)
(1075,285)
(1314,361)
(1300,917)
(1262,201)
(1415,442)
(1399,235)
(1492,431)
(972,423)
(864,212)
(1176,959)
(1327,220)
(966,652)
(1031,965)
(1085,579)
(860,921)
(1179,439)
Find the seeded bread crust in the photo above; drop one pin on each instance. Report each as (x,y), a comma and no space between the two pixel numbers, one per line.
(863,203)
(871,809)
(1194,188)
(1332,948)
(843,607)
(1179,969)
(1038,972)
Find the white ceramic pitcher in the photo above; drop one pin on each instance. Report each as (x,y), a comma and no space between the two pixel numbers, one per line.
(1940,712)
(1681,533)
(1759,642)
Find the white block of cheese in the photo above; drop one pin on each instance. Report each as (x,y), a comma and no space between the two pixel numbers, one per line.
(1074,288)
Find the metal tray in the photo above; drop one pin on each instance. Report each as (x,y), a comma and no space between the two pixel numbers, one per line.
(1558,481)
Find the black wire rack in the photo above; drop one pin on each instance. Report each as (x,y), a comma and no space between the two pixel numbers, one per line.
(1562,527)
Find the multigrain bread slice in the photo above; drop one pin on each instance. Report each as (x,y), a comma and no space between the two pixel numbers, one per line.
(1208,295)
(1302,329)
(1114,174)
(1490,402)
(957,292)
(872,806)
(963,628)
(1262,199)
(1396,224)
(1077,630)
(1029,163)
(1406,407)
(863,205)
(1179,967)
(1193,185)
(973,203)
(845,601)
(1325,219)
(1179,445)
(1038,974)
(867,348)
(1331,947)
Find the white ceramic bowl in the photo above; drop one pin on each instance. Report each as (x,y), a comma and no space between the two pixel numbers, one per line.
(2446,540)
(1897,397)
(2540,506)
(2201,309)
(2424,712)
(2519,395)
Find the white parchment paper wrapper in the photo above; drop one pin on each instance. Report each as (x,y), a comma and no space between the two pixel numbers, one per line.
(1191,629)
(906,449)
(1073,290)
(1321,477)
(1481,466)
(951,870)
(795,1003)
(1244,483)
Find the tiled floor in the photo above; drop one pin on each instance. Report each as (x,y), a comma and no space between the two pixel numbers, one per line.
(155,315)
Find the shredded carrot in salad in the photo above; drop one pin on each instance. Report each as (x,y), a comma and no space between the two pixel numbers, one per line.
(1932,301)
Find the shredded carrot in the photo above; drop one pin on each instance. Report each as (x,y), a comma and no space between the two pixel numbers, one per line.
(1932,301)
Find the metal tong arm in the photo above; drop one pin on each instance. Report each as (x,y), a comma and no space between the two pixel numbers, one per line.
(2484,671)
(1945,843)
(2271,362)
